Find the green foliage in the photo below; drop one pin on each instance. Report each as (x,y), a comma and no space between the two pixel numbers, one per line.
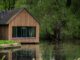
(7,42)
(50,12)
(7,4)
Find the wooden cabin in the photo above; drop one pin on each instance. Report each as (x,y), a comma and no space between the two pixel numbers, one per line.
(19,25)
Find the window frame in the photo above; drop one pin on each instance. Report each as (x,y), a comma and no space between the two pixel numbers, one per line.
(15,34)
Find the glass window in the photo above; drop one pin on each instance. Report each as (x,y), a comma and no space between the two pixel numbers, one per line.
(24,32)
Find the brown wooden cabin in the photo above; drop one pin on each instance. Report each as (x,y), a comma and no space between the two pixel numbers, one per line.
(19,25)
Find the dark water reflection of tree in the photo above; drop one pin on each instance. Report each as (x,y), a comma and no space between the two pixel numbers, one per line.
(58,48)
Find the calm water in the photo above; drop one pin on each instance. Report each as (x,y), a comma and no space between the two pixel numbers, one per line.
(43,51)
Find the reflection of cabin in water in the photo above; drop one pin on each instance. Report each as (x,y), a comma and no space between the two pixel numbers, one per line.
(19,25)
(26,52)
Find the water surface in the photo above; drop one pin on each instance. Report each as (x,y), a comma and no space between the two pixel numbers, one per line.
(43,51)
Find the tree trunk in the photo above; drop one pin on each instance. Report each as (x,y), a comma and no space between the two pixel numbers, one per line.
(68,3)
(58,42)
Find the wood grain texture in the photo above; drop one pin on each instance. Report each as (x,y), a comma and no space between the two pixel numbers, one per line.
(24,19)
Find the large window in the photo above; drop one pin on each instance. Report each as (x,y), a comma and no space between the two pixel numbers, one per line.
(23,31)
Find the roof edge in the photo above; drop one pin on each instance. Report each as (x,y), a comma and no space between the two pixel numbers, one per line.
(19,12)
(14,16)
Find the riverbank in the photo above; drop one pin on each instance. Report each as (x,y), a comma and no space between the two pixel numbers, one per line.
(5,44)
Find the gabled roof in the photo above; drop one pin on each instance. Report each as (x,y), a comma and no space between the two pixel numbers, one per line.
(5,16)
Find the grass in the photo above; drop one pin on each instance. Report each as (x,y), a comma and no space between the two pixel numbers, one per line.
(10,43)
(7,42)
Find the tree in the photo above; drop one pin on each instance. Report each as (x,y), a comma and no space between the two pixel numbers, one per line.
(8,4)
(68,3)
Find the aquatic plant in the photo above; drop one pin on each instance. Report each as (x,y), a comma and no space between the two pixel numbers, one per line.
(3,57)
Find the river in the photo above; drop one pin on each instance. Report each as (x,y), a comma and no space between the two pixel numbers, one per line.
(43,51)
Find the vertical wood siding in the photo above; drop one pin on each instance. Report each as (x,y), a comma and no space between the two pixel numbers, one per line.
(3,32)
(24,19)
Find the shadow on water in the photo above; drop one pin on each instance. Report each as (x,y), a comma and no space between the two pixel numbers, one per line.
(58,52)
(26,52)
(23,55)
(43,51)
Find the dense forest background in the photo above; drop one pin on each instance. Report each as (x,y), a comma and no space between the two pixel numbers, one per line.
(48,13)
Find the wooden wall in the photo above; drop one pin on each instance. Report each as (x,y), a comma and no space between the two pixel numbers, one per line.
(23,19)
(3,32)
